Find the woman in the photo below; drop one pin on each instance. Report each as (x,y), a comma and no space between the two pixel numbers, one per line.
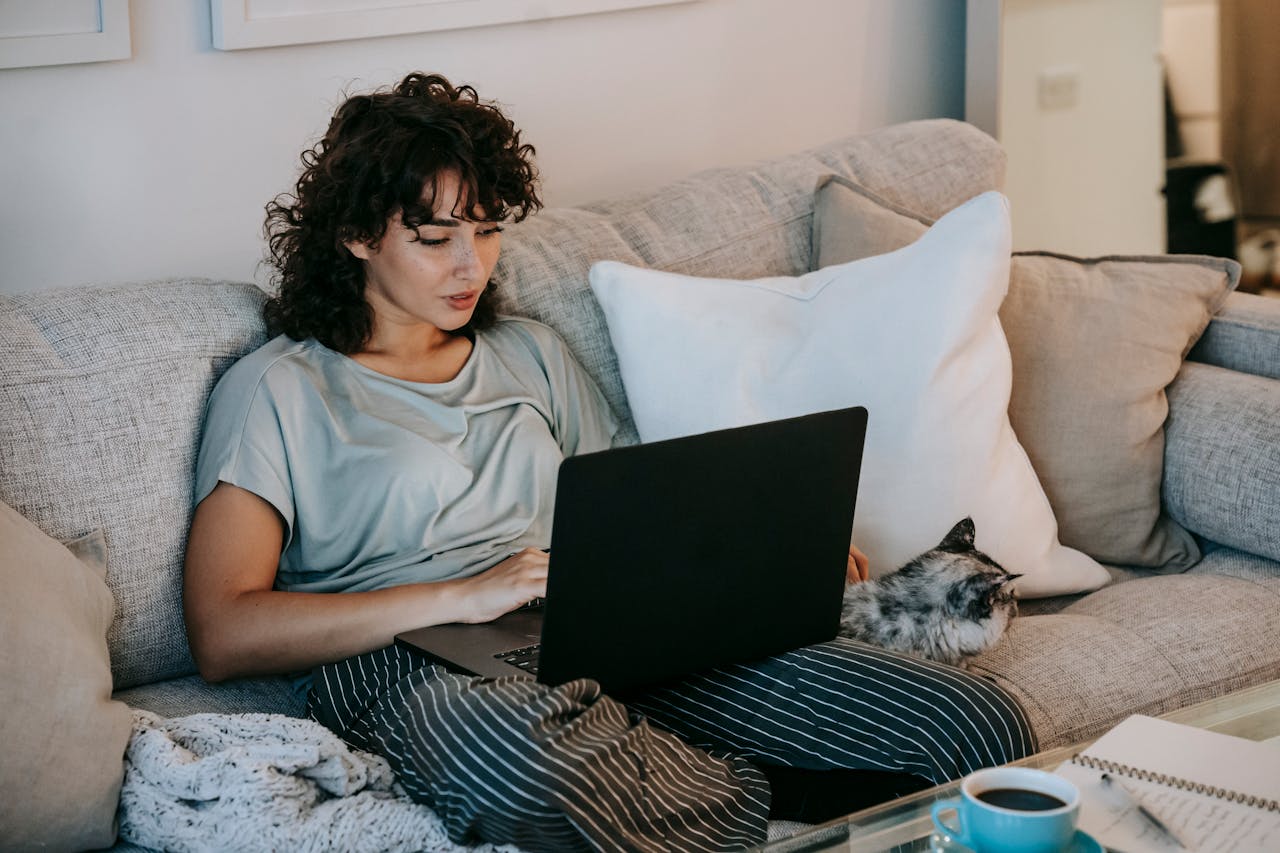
(398,443)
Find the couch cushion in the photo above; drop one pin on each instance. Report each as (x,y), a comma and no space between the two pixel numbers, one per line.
(102,392)
(911,335)
(1222,459)
(63,737)
(730,223)
(1094,344)
(1121,650)
(191,694)
(1244,336)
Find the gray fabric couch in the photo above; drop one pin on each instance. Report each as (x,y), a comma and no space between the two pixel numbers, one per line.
(102,392)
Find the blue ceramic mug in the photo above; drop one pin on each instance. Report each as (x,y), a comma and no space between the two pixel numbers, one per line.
(1012,810)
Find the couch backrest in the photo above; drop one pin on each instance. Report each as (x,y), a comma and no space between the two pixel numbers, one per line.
(741,223)
(102,390)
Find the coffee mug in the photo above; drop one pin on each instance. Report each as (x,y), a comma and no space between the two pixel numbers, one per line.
(1012,810)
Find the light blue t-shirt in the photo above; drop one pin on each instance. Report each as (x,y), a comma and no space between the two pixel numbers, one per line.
(382,481)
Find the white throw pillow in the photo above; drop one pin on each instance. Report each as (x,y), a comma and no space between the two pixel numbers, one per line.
(912,335)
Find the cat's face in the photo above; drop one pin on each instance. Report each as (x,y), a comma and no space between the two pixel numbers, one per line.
(970,583)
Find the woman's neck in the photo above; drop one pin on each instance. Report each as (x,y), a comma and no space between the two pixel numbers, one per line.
(416,354)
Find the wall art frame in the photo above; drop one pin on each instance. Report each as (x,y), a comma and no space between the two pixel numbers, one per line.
(35,45)
(241,24)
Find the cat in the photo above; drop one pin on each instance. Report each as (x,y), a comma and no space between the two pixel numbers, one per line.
(947,605)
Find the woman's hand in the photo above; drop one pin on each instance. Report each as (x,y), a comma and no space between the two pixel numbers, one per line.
(859,566)
(517,580)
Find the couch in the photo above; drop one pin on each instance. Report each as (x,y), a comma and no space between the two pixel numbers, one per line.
(102,392)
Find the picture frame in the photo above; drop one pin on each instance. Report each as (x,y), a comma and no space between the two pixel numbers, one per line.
(38,34)
(241,24)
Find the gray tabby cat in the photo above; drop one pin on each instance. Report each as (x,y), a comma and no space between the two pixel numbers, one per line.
(947,604)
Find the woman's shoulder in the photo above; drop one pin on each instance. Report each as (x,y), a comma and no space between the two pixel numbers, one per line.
(525,335)
(279,359)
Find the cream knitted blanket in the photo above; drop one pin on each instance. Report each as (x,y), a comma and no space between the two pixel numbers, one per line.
(264,782)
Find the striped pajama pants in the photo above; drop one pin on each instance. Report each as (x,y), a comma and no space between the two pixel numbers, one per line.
(567,768)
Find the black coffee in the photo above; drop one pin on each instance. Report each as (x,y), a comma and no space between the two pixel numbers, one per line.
(1020,799)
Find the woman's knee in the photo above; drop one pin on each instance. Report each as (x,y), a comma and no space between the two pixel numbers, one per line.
(515,740)
(984,723)
(474,750)
(343,695)
(517,762)
(1006,721)
(943,718)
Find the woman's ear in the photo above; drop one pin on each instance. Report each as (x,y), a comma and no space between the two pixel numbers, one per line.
(359,249)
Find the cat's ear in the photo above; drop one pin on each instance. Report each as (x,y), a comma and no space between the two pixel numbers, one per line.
(997,582)
(960,538)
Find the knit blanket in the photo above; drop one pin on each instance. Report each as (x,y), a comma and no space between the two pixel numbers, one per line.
(265,782)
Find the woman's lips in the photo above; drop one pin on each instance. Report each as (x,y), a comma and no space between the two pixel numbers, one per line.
(463,301)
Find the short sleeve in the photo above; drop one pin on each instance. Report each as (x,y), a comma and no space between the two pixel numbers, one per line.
(584,423)
(581,419)
(243,444)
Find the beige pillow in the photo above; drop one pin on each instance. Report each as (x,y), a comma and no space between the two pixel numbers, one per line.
(1094,345)
(63,737)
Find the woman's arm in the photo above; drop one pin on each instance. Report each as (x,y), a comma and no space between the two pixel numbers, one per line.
(239,625)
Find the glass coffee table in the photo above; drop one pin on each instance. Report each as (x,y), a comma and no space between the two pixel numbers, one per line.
(904,824)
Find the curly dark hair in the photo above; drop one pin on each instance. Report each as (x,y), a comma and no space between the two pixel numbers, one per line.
(381,155)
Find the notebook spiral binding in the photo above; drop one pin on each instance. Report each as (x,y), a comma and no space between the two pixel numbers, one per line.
(1175,782)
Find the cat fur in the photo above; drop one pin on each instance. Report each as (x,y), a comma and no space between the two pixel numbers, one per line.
(948,604)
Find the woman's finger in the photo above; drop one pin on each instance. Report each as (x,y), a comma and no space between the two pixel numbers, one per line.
(859,565)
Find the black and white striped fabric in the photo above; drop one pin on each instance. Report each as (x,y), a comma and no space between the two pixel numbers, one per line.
(566,768)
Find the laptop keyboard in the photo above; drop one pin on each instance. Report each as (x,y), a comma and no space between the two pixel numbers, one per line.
(526,658)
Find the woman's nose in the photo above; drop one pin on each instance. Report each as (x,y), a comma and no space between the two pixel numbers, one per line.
(467,260)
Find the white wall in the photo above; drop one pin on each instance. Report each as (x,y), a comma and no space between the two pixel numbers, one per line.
(160,165)
(1084,178)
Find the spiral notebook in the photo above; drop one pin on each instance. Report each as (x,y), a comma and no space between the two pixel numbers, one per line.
(1213,792)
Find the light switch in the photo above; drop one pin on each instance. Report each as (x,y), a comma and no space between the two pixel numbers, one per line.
(1059,88)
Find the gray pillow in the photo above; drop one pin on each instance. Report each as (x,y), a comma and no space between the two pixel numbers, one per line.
(1095,342)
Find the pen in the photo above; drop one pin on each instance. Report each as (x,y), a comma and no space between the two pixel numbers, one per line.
(1143,810)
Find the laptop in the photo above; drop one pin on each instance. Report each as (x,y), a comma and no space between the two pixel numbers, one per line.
(681,555)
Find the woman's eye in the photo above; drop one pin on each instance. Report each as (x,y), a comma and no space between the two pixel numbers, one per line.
(440,241)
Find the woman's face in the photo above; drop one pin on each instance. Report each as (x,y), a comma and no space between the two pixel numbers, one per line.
(432,275)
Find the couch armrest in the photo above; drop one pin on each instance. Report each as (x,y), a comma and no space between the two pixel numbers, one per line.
(1222,457)
(1244,335)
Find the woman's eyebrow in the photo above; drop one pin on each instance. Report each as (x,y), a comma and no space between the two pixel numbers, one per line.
(443,223)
